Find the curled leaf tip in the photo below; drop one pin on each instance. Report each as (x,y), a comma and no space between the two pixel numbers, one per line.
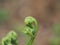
(10,39)
(29,20)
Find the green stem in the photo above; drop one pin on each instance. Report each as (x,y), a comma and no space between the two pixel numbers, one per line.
(30,41)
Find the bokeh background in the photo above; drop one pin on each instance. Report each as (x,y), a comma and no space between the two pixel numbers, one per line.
(13,13)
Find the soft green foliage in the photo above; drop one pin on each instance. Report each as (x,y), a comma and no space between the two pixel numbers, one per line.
(56,29)
(56,39)
(3,15)
(31,28)
(10,39)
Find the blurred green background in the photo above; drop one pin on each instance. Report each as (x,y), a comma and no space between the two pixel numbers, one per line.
(13,12)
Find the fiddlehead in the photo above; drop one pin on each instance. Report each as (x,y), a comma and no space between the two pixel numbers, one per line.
(31,28)
(10,39)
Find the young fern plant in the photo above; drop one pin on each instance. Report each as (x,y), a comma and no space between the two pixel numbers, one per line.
(30,29)
(10,39)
